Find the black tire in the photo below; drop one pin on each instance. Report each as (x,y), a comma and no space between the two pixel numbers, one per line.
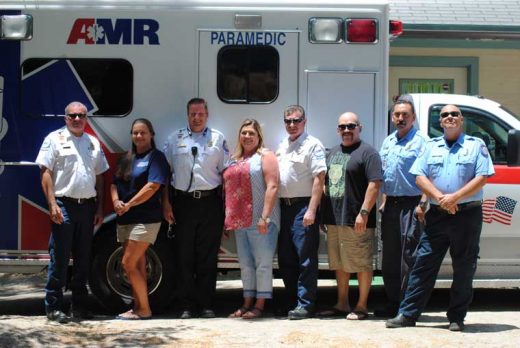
(109,283)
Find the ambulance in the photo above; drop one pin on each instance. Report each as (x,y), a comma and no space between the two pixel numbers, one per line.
(147,58)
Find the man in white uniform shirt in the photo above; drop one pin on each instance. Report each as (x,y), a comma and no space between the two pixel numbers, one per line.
(302,173)
(71,166)
(197,155)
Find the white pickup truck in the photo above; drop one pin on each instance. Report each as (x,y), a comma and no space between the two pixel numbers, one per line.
(499,263)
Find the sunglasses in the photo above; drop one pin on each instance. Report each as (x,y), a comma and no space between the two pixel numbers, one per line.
(294,120)
(349,126)
(82,116)
(450,113)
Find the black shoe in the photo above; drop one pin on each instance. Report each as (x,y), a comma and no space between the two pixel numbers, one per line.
(186,314)
(81,313)
(58,316)
(387,312)
(207,314)
(299,313)
(456,326)
(400,321)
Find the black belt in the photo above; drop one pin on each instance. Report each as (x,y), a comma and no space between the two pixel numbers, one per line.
(77,200)
(460,207)
(293,200)
(197,194)
(402,198)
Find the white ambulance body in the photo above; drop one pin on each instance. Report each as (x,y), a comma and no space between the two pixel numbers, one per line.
(133,59)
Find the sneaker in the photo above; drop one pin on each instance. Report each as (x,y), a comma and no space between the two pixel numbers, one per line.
(299,313)
(400,321)
(456,326)
(58,316)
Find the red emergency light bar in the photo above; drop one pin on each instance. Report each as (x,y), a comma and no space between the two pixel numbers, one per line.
(361,30)
(395,28)
(364,30)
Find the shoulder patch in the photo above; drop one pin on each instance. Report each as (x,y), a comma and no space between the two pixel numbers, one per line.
(484,150)
(224,146)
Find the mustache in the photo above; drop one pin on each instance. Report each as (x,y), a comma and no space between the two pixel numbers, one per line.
(401,123)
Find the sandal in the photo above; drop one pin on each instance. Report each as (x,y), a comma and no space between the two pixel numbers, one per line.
(239,312)
(357,315)
(254,313)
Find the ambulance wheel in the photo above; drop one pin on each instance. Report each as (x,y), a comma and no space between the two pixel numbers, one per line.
(108,280)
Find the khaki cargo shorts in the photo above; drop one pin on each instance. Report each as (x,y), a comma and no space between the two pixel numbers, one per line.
(349,251)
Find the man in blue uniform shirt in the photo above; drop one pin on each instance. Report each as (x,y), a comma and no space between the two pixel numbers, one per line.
(452,172)
(402,208)
(197,155)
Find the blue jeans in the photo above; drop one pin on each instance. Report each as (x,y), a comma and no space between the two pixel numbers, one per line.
(298,256)
(255,254)
(460,233)
(74,236)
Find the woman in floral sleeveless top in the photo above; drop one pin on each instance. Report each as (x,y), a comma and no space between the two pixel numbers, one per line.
(253,212)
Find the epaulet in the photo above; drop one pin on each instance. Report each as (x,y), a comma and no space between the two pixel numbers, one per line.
(436,140)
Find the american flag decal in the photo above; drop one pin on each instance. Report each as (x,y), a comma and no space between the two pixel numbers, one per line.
(500,210)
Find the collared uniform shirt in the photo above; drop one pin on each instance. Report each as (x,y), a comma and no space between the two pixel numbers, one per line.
(74,162)
(449,169)
(397,157)
(208,164)
(300,161)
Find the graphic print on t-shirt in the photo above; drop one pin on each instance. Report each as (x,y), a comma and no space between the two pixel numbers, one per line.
(336,173)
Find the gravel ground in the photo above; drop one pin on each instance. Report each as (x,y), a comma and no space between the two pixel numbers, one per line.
(494,322)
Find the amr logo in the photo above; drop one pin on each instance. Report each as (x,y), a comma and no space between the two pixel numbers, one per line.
(105,31)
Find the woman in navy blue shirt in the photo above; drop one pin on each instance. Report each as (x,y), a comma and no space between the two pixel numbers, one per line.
(136,193)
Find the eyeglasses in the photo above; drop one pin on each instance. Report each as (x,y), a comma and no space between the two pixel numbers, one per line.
(293,120)
(450,113)
(349,126)
(82,116)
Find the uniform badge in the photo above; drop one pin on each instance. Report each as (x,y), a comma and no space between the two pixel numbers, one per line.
(210,143)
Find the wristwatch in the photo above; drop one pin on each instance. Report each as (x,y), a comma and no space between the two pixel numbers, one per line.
(423,204)
(267,220)
(364,212)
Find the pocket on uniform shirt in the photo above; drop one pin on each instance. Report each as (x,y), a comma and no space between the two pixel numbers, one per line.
(435,166)
(67,162)
(464,166)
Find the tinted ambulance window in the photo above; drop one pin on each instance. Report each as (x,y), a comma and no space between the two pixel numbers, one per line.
(48,85)
(477,123)
(247,74)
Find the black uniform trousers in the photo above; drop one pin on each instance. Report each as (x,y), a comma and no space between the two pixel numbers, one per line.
(460,233)
(198,232)
(400,232)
